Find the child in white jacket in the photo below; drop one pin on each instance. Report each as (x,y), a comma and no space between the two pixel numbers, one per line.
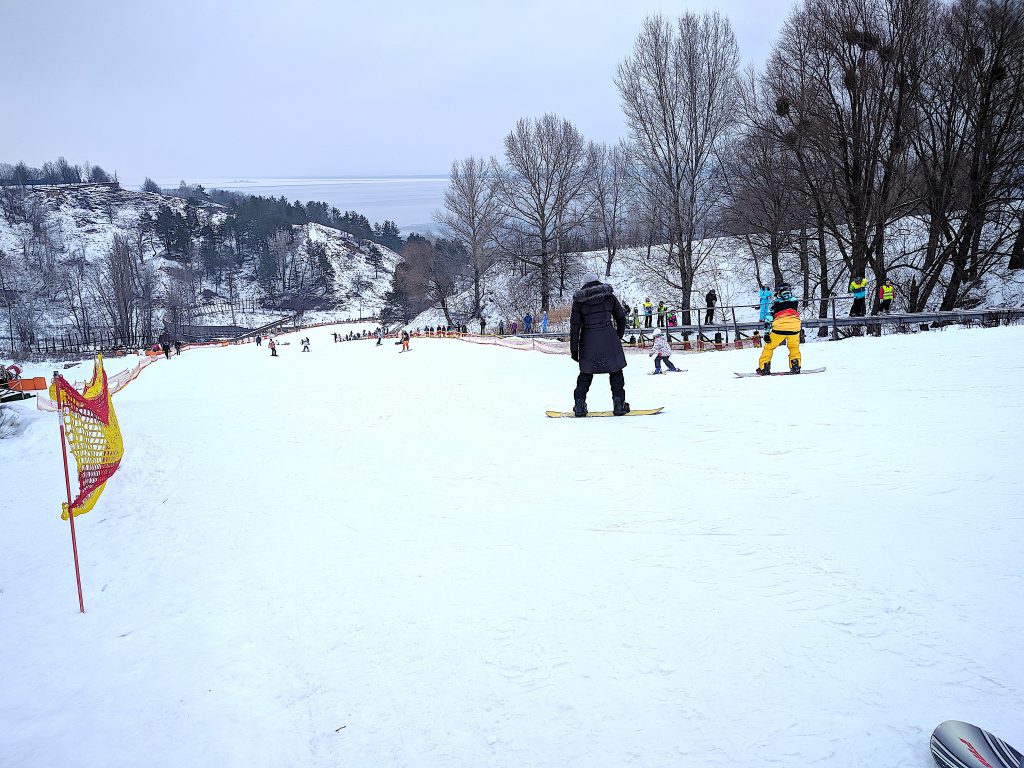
(661,351)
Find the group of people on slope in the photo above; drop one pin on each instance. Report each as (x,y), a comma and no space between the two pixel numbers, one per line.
(598,323)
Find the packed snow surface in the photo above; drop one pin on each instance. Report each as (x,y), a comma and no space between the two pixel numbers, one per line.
(356,557)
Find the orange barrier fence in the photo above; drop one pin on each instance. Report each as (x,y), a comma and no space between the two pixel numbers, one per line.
(115,383)
(27,385)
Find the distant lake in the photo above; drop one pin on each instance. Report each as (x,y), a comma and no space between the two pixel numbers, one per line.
(409,201)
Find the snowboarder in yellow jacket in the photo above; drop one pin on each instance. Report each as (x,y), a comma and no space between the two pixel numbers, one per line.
(785,330)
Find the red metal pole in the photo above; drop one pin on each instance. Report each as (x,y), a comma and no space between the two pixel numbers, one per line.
(67,484)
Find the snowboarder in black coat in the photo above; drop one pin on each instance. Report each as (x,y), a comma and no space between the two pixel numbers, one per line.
(596,328)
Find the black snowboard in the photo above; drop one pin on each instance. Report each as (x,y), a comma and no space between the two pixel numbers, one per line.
(961,745)
(782,373)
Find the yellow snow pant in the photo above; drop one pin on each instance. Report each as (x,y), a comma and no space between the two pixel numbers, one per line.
(777,340)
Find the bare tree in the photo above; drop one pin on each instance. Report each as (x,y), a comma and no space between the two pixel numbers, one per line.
(843,78)
(969,144)
(472,215)
(679,95)
(547,166)
(610,188)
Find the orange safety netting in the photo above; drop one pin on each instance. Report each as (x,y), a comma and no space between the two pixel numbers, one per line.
(91,429)
(115,384)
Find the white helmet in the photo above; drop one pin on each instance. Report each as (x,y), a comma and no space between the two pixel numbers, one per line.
(659,332)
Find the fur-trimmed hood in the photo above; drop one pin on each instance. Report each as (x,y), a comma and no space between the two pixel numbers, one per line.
(592,293)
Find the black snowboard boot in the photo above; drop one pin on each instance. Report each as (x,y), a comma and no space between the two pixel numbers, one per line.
(580,408)
(765,371)
(619,406)
(794,366)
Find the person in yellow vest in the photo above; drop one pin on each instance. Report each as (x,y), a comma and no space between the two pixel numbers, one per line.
(886,293)
(785,330)
(859,289)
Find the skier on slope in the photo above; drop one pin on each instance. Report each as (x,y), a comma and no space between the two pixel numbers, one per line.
(305,344)
(596,328)
(404,341)
(785,330)
(380,336)
(661,351)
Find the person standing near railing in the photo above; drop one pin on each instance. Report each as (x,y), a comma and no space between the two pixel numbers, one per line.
(648,309)
(662,309)
(544,321)
(710,299)
(886,293)
(859,289)
(765,298)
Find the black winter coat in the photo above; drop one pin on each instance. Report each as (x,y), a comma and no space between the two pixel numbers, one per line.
(596,328)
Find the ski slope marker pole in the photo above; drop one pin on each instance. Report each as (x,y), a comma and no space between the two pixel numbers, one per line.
(67,484)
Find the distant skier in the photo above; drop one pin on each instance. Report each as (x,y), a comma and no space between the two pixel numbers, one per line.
(859,290)
(711,298)
(886,293)
(662,310)
(596,328)
(661,351)
(785,330)
(501,327)
(648,309)
(405,342)
(272,346)
(527,322)
(177,347)
(166,347)
(380,336)
(305,344)
(544,321)
(515,327)
(259,340)
(765,298)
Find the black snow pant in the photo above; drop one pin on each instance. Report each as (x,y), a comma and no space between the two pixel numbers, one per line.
(858,309)
(709,316)
(584,380)
(886,305)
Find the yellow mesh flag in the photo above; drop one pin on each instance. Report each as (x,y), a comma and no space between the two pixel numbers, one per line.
(91,429)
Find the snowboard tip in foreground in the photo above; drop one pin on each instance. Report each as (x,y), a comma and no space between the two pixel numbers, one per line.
(781,373)
(956,744)
(633,412)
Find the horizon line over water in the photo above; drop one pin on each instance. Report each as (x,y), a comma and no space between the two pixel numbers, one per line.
(408,200)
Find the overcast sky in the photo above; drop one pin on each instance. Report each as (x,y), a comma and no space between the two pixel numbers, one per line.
(210,88)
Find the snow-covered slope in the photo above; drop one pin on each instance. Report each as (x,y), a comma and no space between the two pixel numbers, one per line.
(414,567)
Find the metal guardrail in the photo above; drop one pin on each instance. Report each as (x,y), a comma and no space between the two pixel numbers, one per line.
(742,329)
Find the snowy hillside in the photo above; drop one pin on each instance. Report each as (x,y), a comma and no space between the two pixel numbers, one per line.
(55,243)
(422,570)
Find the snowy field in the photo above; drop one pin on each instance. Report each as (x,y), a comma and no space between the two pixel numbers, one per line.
(356,557)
